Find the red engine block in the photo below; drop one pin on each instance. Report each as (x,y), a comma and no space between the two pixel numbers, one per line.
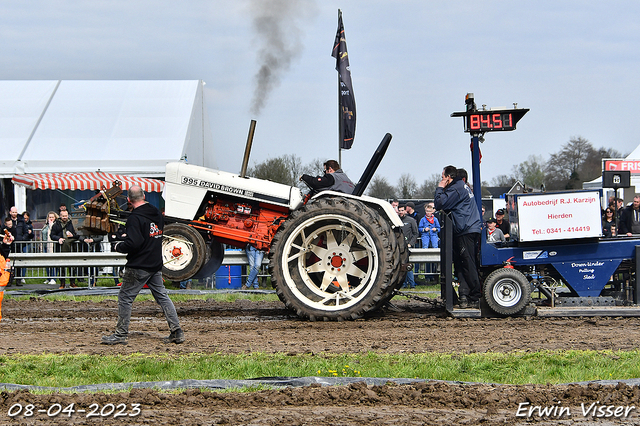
(237,224)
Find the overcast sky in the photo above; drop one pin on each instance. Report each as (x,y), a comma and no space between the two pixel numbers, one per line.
(575,64)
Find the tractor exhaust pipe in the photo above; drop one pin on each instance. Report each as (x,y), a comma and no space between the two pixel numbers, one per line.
(247,149)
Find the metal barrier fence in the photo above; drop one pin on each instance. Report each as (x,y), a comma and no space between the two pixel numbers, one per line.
(45,262)
(38,263)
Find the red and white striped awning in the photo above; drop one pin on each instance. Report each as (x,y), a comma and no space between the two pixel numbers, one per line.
(85,181)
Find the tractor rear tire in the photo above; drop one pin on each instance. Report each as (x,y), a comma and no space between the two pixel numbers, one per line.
(183,252)
(507,291)
(400,257)
(333,260)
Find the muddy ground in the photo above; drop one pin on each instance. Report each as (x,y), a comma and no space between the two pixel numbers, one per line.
(38,325)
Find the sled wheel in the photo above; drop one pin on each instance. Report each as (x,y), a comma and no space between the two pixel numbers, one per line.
(183,252)
(507,291)
(332,260)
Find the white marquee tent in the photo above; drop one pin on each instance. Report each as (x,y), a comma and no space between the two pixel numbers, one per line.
(121,127)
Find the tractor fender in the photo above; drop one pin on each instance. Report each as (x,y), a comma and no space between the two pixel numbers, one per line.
(383,207)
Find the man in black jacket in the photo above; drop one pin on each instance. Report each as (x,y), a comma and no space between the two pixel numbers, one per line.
(410,232)
(630,218)
(19,234)
(64,233)
(143,246)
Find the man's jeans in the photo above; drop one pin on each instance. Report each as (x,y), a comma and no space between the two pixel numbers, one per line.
(409,281)
(255,257)
(132,283)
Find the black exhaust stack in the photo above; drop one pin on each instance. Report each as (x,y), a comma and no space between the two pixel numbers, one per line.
(247,149)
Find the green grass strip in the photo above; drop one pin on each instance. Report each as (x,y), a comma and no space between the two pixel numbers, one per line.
(509,368)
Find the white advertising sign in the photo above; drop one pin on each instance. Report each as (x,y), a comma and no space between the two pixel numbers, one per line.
(559,216)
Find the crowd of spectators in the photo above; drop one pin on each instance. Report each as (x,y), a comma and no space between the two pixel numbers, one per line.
(56,235)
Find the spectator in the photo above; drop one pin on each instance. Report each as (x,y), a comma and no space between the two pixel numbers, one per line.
(28,233)
(429,228)
(48,247)
(143,246)
(119,235)
(18,234)
(410,232)
(608,223)
(62,208)
(255,257)
(5,274)
(410,208)
(334,179)
(630,218)
(395,203)
(92,244)
(18,224)
(462,174)
(8,229)
(494,234)
(502,223)
(63,232)
(455,197)
(617,206)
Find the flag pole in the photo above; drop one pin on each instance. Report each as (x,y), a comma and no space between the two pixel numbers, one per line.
(346,100)
(339,112)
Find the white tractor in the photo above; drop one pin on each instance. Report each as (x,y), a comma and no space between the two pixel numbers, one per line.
(332,256)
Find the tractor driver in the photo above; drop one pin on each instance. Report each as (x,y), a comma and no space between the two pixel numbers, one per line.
(334,179)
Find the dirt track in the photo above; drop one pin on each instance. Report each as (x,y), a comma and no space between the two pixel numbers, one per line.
(38,326)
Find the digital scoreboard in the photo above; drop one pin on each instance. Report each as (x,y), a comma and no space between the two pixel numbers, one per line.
(489,120)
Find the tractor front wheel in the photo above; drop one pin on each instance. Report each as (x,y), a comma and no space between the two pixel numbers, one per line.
(183,252)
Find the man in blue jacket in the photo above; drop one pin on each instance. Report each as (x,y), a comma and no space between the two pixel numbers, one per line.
(454,196)
(143,246)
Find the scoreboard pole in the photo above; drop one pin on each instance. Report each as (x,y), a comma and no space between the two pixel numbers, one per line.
(475,171)
(475,157)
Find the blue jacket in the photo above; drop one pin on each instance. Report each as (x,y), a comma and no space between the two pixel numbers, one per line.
(457,199)
(425,224)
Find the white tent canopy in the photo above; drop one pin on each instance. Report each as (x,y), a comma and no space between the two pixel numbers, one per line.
(125,127)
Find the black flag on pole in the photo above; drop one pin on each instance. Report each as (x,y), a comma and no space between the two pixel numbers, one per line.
(346,99)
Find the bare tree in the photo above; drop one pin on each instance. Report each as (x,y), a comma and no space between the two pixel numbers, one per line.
(315,167)
(564,167)
(407,186)
(273,169)
(428,187)
(503,180)
(531,171)
(592,166)
(379,187)
(285,169)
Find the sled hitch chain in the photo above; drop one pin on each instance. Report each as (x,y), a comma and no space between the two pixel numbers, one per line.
(433,302)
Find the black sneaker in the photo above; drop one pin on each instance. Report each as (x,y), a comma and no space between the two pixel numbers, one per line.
(176,337)
(463,303)
(474,304)
(114,340)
